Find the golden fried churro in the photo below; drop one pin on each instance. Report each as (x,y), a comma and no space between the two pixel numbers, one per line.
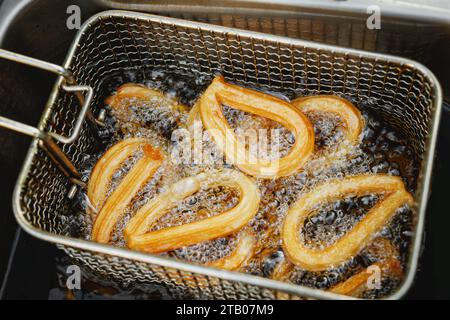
(281,273)
(138,237)
(394,196)
(388,265)
(240,255)
(382,249)
(139,92)
(220,92)
(193,116)
(282,270)
(105,168)
(358,283)
(353,122)
(121,197)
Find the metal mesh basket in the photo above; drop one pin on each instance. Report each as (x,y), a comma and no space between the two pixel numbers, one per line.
(404,93)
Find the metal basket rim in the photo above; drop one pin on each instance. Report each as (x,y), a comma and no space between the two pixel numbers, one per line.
(421,194)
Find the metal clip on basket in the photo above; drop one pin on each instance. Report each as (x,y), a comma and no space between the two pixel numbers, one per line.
(402,92)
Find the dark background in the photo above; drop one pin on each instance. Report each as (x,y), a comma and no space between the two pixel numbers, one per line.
(30,268)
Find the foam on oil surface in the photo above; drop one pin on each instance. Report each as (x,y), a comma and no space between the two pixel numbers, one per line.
(382,150)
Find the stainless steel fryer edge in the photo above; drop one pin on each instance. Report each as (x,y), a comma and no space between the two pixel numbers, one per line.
(433,11)
(421,194)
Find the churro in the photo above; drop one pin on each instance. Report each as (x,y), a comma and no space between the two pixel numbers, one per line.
(394,196)
(134,91)
(140,238)
(358,283)
(350,116)
(219,92)
(240,255)
(116,204)
(105,168)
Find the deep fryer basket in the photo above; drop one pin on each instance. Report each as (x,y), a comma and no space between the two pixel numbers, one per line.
(403,92)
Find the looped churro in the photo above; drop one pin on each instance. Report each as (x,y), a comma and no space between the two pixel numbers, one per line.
(394,196)
(116,204)
(241,254)
(138,237)
(139,92)
(356,284)
(353,122)
(220,92)
(388,265)
(105,168)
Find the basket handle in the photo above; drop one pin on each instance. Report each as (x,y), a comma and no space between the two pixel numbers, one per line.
(70,86)
(46,139)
